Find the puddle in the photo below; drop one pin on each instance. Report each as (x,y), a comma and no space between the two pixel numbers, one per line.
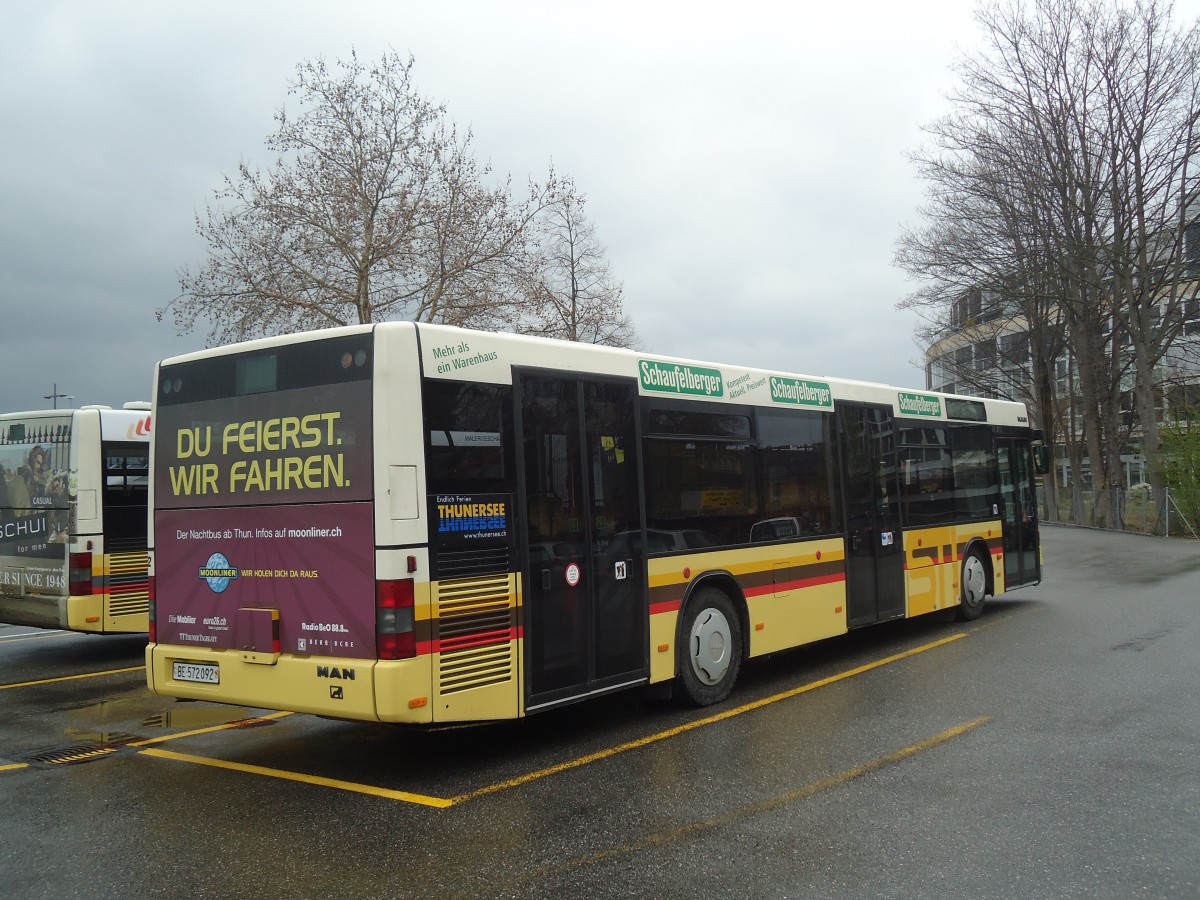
(191,717)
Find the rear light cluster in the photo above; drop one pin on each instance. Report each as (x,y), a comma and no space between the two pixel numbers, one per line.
(395,635)
(81,574)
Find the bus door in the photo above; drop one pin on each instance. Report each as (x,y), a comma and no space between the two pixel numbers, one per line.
(1018,493)
(584,597)
(874,546)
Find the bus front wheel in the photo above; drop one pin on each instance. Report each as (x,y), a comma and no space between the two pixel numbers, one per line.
(710,647)
(973,587)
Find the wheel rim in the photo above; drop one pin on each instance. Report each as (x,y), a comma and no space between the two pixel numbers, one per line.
(710,646)
(974,582)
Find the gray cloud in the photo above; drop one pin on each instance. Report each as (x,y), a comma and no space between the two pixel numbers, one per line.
(744,162)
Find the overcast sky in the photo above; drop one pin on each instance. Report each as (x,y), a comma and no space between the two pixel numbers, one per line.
(745,162)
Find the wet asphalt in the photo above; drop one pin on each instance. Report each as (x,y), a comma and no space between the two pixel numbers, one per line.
(1046,750)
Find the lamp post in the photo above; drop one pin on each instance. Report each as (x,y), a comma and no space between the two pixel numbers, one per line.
(56,396)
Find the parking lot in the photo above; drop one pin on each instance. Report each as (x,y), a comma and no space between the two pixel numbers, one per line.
(1045,750)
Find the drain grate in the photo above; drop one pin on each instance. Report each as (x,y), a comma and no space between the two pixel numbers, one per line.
(66,756)
(87,751)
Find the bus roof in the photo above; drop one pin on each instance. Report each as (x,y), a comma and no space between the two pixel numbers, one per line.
(131,424)
(456,353)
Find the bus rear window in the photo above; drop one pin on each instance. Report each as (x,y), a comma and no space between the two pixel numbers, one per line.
(126,472)
(256,374)
(308,364)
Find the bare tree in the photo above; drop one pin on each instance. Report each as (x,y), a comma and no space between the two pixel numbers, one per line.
(988,283)
(1151,77)
(1059,186)
(571,290)
(375,209)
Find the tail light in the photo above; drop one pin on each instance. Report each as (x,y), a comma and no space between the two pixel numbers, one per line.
(395,637)
(81,574)
(151,593)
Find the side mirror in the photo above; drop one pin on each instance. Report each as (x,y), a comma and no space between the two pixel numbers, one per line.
(1041,459)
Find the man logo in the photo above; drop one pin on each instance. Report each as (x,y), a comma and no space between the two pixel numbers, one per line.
(335,692)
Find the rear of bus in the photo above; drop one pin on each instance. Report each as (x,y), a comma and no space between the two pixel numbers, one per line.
(73,488)
(279,467)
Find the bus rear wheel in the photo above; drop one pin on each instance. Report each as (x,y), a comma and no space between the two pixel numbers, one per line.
(710,647)
(973,587)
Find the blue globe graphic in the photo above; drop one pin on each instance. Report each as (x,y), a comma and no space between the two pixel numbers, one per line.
(217,561)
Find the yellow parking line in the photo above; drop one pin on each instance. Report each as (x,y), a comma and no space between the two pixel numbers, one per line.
(681,832)
(10,766)
(444,803)
(227,726)
(5,687)
(699,723)
(372,790)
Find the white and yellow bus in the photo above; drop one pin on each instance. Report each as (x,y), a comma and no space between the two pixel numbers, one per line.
(422,524)
(73,489)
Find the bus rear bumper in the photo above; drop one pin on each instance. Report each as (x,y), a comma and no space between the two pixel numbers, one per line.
(86,613)
(335,687)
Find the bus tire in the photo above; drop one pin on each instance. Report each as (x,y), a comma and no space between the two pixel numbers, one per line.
(972,587)
(710,647)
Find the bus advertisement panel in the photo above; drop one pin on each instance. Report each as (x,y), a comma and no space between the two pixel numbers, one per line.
(313,561)
(35,511)
(304,445)
(263,515)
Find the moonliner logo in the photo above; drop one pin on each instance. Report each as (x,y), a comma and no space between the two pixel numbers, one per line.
(218,572)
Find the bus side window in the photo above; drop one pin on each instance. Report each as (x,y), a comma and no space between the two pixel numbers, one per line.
(975,483)
(470,435)
(797,471)
(926,477)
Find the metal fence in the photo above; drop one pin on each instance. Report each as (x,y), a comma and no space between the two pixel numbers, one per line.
(1136,510)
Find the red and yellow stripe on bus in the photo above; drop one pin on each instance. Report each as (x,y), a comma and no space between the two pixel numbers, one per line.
(933,563)
(469,639)
(109,593)
(795,593)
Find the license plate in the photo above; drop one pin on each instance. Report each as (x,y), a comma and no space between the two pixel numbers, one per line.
(201,672)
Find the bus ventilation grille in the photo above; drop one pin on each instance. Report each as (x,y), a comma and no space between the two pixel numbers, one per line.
(117,544)
(472,563)
(476,629)
(128,594)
